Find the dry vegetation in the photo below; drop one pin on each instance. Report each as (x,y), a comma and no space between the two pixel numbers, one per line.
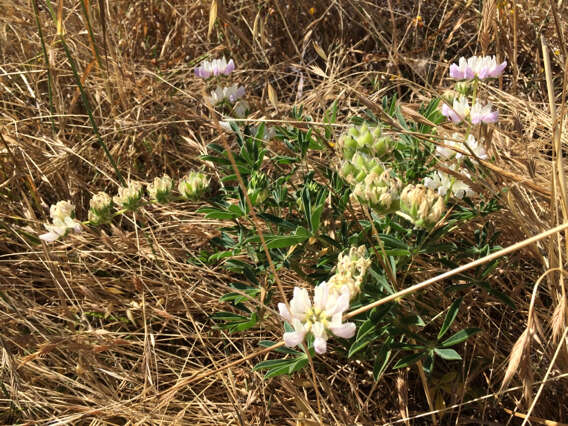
(109,327)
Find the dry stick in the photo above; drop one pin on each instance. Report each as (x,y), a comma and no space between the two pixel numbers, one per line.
(458,270)
(401,293)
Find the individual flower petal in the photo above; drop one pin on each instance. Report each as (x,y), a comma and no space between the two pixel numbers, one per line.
(284,312)
(320,341)
(50,236)
(344,330)
(320,345)
(300,303)
(294,338)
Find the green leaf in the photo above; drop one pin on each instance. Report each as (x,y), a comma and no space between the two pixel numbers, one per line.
(282,241)
(410,360)
(460,336)
(271,363)
(448,354)
(450,317)
(381,361)
(215,213)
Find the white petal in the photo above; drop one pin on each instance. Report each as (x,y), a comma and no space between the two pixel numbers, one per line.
(300,303)
(320,345)
(49,237)
(284,312)
(346,330)
(293,338)
(321,294)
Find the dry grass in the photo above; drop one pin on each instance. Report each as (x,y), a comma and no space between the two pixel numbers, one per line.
(103,327)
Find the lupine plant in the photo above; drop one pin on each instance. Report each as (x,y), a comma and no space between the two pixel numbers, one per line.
(352,229)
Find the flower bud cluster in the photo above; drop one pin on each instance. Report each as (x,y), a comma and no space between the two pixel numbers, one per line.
(365,140)
(129,198)
(193,185)
(359,166)
(380,192)
(63,220)
(100,211)
(350,271)
(421,205)
(161,189)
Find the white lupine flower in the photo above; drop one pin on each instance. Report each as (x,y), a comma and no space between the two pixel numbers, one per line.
(161,189)
(476,148)
(215,67)
(443,183)
(458,111)
(129,197)
(240,109)
(483,113)
(221,94)
(321,318)
(446,153)
(62,221)
(481,67)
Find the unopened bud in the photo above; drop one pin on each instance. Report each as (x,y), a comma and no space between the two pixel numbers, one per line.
(129,197)
(193,186)
(422,206)
(100,208)
(161,189)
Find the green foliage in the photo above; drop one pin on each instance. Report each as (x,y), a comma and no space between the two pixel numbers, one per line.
(308,220)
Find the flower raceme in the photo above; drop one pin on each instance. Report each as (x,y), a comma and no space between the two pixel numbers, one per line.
(214,68)
(62,221)
(480,67)
(321,318)
(350,271)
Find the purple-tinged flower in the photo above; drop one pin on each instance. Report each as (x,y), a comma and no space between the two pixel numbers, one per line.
(481,67)
(458,111)
(214,68)
(232,94)
(461,71)
(483,114)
